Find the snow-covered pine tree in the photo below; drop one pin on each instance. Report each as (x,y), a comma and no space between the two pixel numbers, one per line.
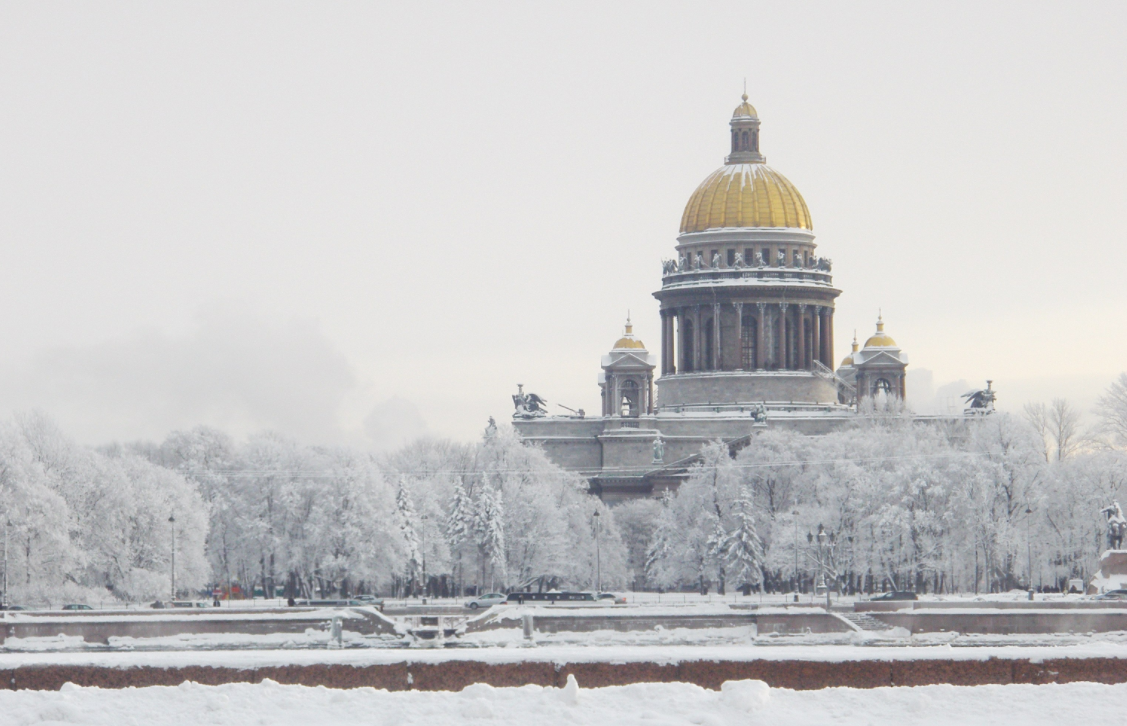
(407,516)
(741,547)
(459,526)
(490,530)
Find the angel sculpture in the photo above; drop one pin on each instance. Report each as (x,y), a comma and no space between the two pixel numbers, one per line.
(739,262)
(528,405)
(982,401)
(782,258)
(716,260)
(759,261)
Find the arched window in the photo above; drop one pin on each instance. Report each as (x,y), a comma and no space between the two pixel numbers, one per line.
(755,141)
(744,145)
(629,399)
(735,141)
(750,339)
(882,385)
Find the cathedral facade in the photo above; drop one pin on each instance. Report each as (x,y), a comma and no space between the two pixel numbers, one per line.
(747,340)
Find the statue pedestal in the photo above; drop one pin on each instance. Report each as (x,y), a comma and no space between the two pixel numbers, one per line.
(1112,574)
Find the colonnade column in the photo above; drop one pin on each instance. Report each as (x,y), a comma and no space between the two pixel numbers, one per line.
(680,344)
(716,348)
(782,336)
(740,336)
(829,337)
(801,364)
(760,336)
(816,336)
(696,338)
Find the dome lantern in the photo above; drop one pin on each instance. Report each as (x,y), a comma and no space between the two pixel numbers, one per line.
(745,135)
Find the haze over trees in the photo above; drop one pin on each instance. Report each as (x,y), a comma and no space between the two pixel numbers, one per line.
(980,504)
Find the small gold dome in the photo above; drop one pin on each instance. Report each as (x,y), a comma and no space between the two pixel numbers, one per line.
(745,109)
(880,339)
(628,340)
(745,195)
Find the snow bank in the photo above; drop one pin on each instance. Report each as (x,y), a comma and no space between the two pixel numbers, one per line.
(660,704)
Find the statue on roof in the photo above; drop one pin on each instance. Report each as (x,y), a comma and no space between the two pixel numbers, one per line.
(781,256)
(759,261)
(528,405)
(759,415)
(739,262)
(797,259)
(716,260)
(659,449)
(982,401)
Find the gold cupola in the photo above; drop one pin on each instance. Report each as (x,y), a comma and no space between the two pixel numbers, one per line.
(628,341)
(880,339)
(745,192)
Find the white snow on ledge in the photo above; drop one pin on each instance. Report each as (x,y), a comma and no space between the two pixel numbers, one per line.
(655,704)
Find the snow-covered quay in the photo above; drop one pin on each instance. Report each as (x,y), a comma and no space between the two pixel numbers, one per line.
(737,702)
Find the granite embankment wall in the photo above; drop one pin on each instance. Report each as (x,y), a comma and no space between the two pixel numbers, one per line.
(455,675)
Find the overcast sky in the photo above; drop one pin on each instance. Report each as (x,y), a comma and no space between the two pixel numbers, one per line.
(356,222)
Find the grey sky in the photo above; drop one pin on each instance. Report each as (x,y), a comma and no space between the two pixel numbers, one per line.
(319,217)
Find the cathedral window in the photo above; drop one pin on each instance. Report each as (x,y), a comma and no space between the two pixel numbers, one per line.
(755,141)
(767,256)
(749,338)
(882,385)
(744,145)
(731,257)
(749,256)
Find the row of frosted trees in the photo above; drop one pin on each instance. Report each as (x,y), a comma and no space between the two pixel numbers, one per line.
(969,506)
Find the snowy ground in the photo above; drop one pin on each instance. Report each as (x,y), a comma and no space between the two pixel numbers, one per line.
(652,704)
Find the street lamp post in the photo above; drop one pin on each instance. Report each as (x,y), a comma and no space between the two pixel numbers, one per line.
(1029,550)
(796,581)
(172,522)
(424,542)
(7,524)
(598,556)
(823,544)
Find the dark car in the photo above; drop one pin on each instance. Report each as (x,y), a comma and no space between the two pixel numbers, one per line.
(1113,595)
(894,595)
(609,598)
(77,606)
(12,607)
(551,597)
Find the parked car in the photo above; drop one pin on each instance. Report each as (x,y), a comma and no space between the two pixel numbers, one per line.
(894,595)
(609,598)
(12,607)
(189,604)
(487,600)
(370,600)
(77,606)
(551,597)
(1113,595)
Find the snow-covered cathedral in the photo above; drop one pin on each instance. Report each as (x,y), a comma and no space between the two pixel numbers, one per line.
(747,340)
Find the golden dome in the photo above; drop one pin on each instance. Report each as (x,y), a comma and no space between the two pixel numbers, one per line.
(745,109)
(880,339)
(628,340)
(745,195)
